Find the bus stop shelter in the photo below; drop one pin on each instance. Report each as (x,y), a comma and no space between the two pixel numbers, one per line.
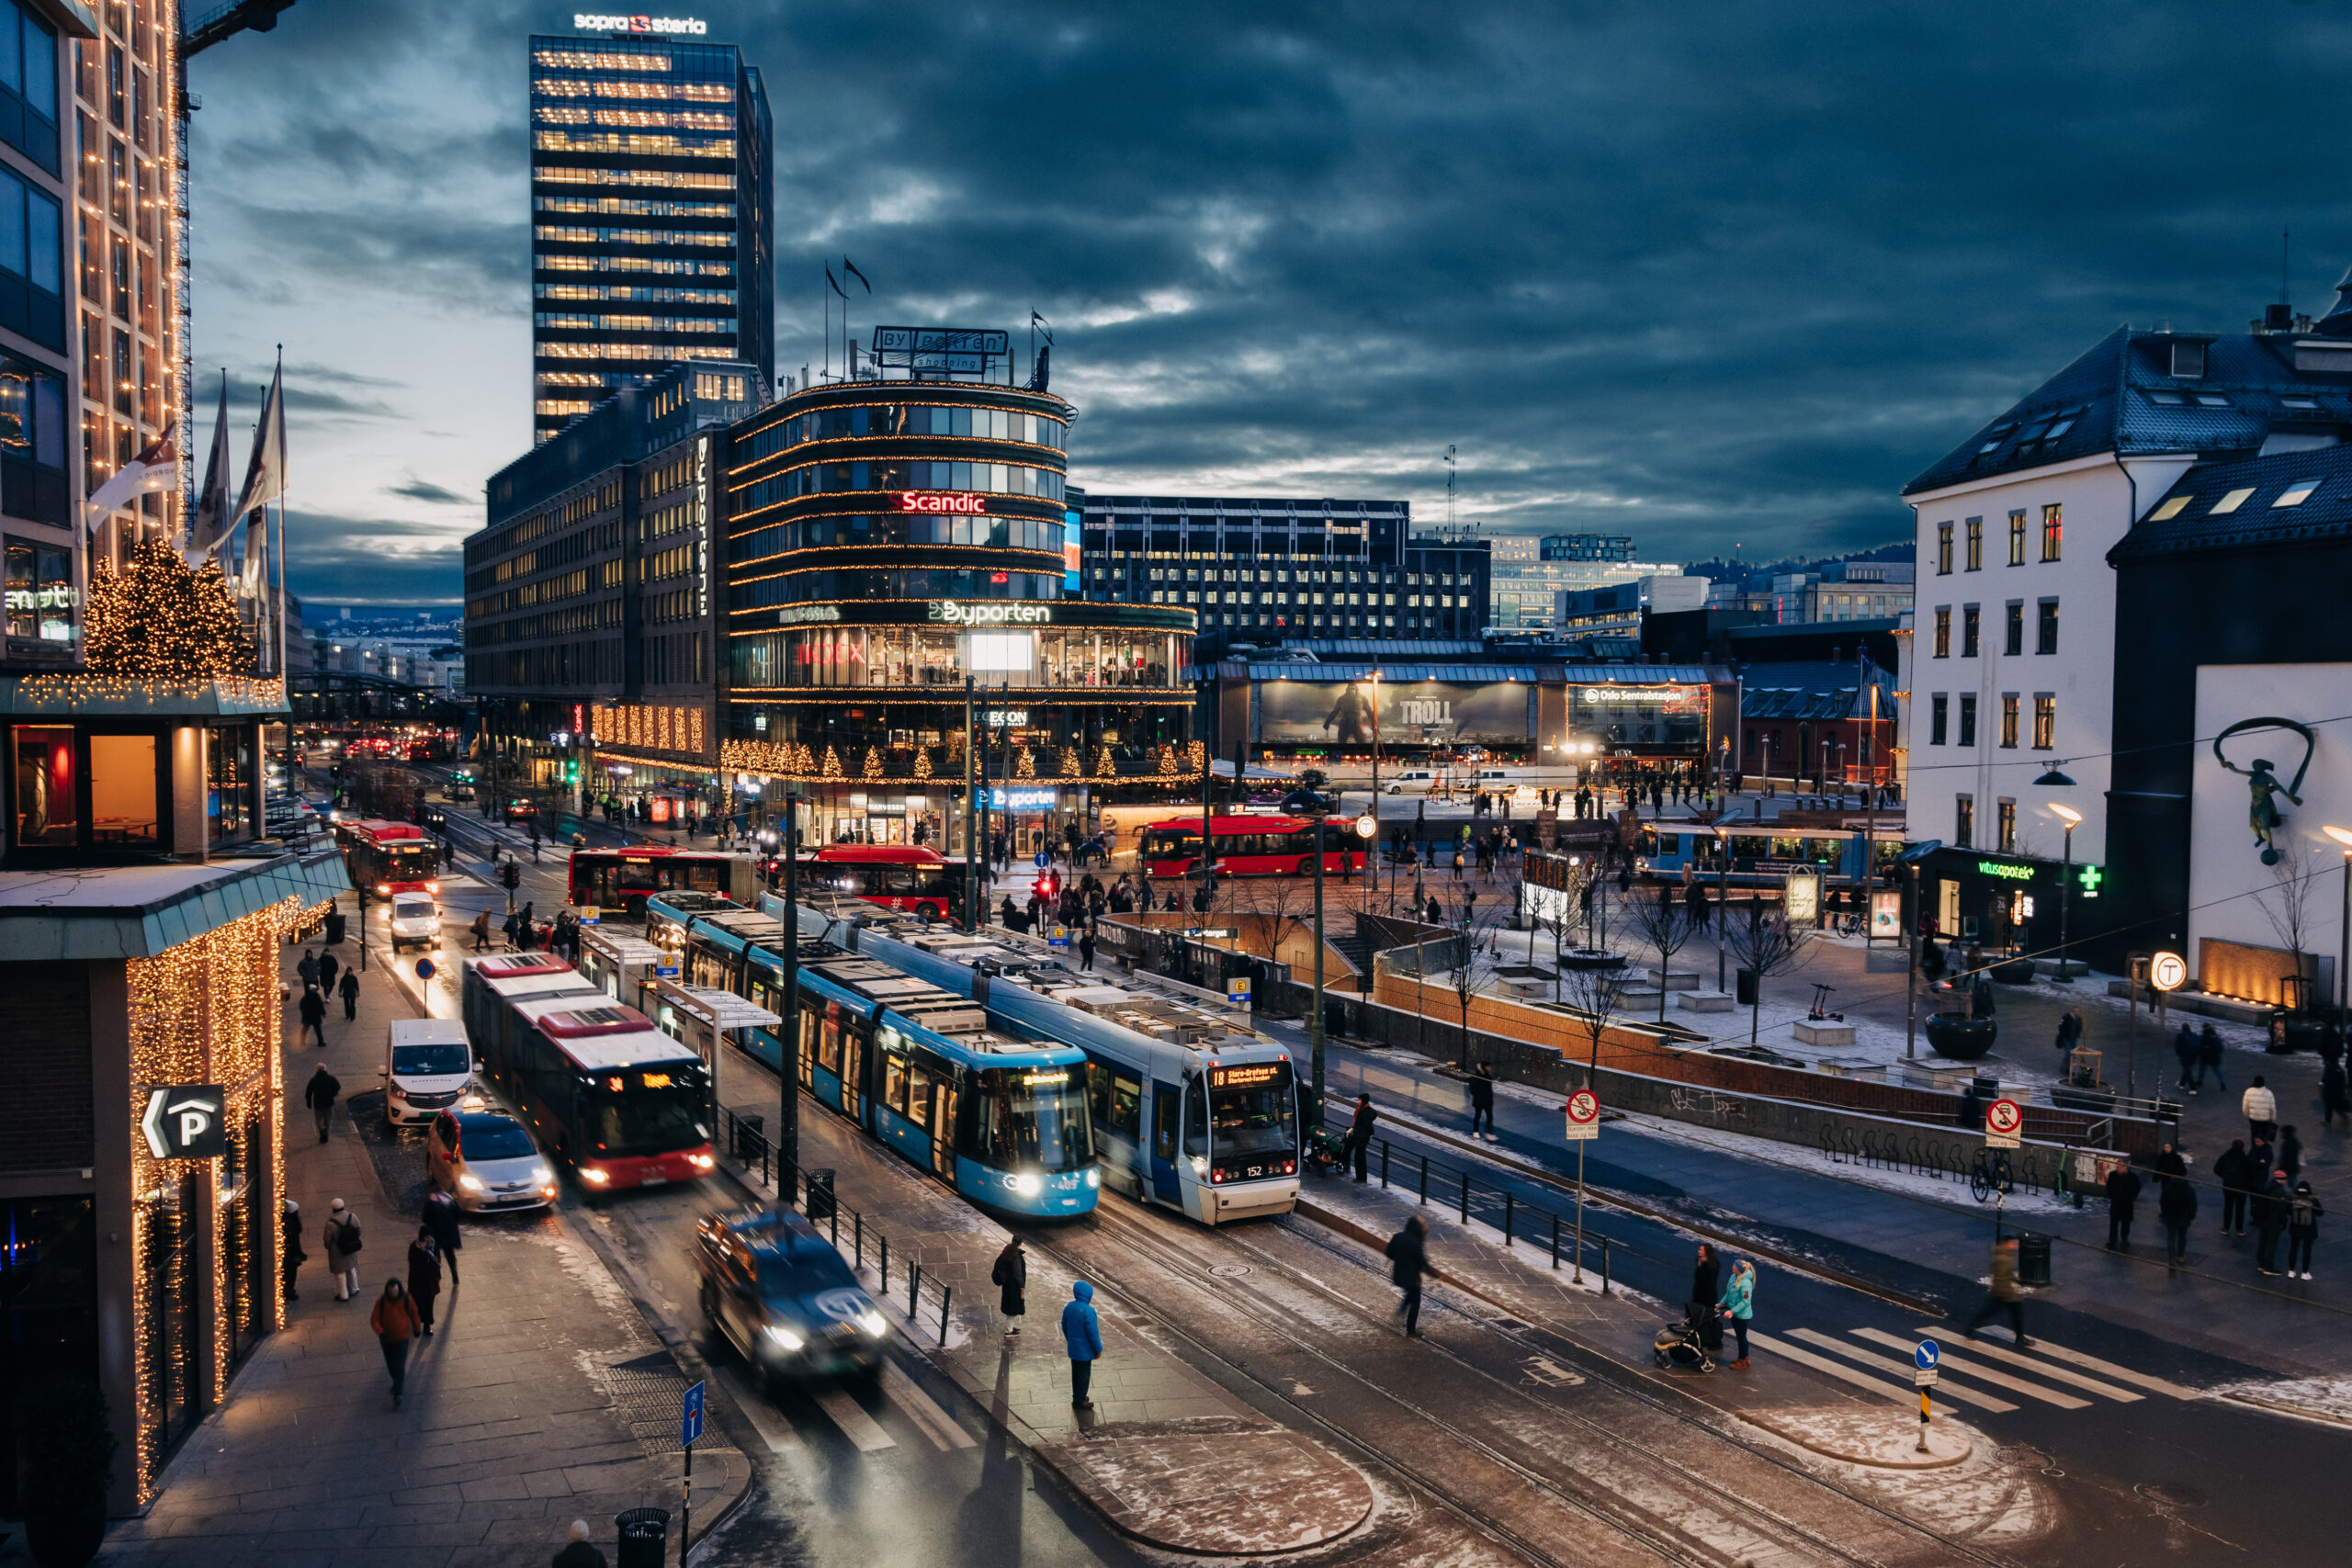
(703,1017)
(619,962)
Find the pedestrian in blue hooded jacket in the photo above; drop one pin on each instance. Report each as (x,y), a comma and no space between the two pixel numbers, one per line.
(1082,1332)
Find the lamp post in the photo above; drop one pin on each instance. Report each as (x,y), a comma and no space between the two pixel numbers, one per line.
(2072,819)
(2343,956)
(1723,896)
(1314,1034)
(1372,863)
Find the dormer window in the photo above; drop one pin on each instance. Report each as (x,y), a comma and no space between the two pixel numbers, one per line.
(2188,358)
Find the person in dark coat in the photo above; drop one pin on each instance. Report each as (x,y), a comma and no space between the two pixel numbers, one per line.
(350,995)
(2303,1212)
(441,1219)
(2237,1179)
(2122,1197)
(2335,1093)
(2209,1057)
(2176,1207)
(318,1094)
(2269,1207)
(2070,1030)
(1010,1277)
(1409,1261)
(1482,1101)
(327,968)
(2170,1163)
(1706,1290)
(2184,1045)
(424,1275)
(2290,1155)
(309,967)
(1085,949)
(313,1010)
(1359,1135)
(291,1256)
(577,1551)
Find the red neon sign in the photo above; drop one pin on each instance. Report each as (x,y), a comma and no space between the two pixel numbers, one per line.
(927,501)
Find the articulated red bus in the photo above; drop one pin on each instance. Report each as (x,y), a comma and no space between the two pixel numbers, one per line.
(896,876)
(385,858)
(614,1100)
(1252,846)
(623,879)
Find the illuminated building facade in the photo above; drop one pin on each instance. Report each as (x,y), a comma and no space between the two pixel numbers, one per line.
(888,539)
(652,239)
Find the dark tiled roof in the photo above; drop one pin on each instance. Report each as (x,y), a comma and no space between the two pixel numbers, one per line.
(1809,691)
(2121,397)
(2257,519)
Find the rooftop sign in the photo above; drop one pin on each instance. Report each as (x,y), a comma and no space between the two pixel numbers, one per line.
(992,613)
(933,500)
(951,351)
(690,26)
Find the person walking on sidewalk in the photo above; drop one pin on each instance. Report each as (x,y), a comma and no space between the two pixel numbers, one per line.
(1706,1295)
(341,1232)
(2269,1223)
(318,1094)
(2237,1177)
(2184,1045)
(2303,1212)
(1359,1135)
(424,1275)
(1739,1304)
(327,968)
(1083,1334)
(577,1551)
(309,967)
(2335,1093)
(2122,1197)
(1085,949)
(2003,1294)
(2290,1155)
(481,944)
(2209,1055)
(441,1219)
(350,995)
(1482,1101)
(2070,1030)
(2261,1108)
(2176,1207)
(394,1321)
(1409,1261)
(313,1011)
(291,1256)
(1010,1277)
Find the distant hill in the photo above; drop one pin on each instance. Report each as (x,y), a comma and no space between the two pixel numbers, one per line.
(1754,572)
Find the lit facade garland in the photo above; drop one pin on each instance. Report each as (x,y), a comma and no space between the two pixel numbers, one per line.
(207,1010)
(794,761)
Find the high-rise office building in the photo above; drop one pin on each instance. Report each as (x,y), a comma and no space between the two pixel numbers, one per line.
(652,229)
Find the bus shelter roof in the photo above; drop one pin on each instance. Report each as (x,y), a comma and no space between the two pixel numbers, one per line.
(722,1009)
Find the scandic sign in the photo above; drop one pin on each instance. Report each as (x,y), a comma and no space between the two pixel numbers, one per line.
(930,500)
(588,22)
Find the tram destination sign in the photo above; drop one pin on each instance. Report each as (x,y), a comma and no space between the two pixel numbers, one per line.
(1256,1075)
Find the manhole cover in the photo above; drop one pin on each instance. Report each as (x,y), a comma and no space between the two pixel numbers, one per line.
(2171,1491)
(1229,1271)
(2054,1473)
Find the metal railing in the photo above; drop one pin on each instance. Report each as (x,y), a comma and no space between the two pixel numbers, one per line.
(746,1145)
(1459,1189)
(1924,1154)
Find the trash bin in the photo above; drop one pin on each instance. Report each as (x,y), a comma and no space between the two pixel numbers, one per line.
(644,1538)
(751,1139)
(334,928)
(819,1203)
(2033,1260)
(1335,1018)
(1744,984)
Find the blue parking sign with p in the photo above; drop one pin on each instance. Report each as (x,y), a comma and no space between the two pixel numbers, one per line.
(690,1417)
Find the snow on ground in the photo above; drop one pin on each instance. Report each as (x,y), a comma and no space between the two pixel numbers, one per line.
(2312,1399)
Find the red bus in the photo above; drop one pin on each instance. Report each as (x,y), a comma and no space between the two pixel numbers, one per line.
(1250,846)
(623,879)
(612,1099)
(385,858)
(896,876)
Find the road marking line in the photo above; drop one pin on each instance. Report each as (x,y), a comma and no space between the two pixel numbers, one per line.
(2056,1374)
(1837,1347)
(1951,1363)
(1900,1393)
(2109,1368)
(775,1433)
(921,1409)
(855,1424)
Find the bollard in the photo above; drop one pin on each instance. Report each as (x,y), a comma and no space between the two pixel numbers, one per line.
(1425,1179)
(1556,1242)
(914,1288)
(1384,1163)
(946,1294)
(885,1242)
(1507,1220)
(1604,1266)
(1465,1196)
(859,1227)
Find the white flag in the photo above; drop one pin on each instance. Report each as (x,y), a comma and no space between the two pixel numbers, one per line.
(212,525)
(265,470)
(155,469)
(257,537)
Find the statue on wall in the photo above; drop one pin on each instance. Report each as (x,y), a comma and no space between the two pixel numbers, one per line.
(2262,782)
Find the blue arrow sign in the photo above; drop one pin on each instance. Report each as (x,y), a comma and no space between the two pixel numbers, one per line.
(690,1417)
(1926,1357)
(1045,859)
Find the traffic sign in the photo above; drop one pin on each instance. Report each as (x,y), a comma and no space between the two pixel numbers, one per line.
(2004,1121)
(690,1417)
(1584,1116)
(424,968)
(1044,859)
(184,1122)
(1926,1356)
(1236,989)
(2167,970)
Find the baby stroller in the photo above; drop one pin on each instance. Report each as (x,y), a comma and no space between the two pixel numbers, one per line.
(1326,1152)
(1689,1343)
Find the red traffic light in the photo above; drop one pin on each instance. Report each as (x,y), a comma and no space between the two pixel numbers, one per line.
(1047,888)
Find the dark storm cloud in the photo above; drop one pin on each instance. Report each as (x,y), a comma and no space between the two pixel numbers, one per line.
(1707,273)
(425,489)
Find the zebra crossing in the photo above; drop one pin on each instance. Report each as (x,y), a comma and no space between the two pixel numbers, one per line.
(1985,1375)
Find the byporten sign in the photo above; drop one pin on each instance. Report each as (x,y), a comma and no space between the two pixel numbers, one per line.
(185,1122)
(992,613)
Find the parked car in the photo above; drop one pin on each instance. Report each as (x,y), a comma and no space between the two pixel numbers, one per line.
(779,1293)
(487,1161)
(1411,778)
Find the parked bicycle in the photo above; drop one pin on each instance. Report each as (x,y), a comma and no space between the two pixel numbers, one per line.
(1989,1173)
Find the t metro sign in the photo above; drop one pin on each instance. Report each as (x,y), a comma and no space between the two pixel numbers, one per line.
(933,500)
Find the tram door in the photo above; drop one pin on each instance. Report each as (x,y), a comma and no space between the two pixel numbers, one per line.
(943,1128)
(854,1070)
(1166,1103)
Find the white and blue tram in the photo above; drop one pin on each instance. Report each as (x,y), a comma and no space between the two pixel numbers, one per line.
(1765,853)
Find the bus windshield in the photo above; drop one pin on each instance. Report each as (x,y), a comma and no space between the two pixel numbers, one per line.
(1252,1110)
(412,862)
(1034,1116)
(642,1121)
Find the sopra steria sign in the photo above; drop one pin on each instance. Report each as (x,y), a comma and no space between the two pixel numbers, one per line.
(999,614)
(960,502)
(589,22)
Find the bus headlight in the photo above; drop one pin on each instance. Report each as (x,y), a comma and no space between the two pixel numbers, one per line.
(591,1174)
(874,1323)
(1093,1178)
(1027,1185)
(782,1338)
(701,1162)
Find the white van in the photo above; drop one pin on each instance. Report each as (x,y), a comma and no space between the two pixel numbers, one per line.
(1415,778)
(428,1067)
(1495,778)
(415,920)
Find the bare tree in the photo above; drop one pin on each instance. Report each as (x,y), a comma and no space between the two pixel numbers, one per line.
(1469,978)
(1767,946)
(2287,905)
(1595,994)
(1663,922)
(1288,905)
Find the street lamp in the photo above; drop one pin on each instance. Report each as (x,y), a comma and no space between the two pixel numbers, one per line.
(2344,956)
(2073,820)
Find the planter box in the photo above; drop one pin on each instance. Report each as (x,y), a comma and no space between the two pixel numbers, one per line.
(1823,1034)
(1961,1039)
(2016,971)
(1702,1001)
(1673,979)
(1591,958)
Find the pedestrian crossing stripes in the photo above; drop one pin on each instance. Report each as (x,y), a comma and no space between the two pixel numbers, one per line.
(1976,1374)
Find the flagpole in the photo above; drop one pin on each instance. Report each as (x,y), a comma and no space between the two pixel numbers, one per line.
(285,467)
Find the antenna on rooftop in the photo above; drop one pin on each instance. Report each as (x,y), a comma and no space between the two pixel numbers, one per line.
(2285,232)
(1449,489)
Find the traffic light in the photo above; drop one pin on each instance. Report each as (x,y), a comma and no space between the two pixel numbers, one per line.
(510,875)
(1048,886)
(571,772)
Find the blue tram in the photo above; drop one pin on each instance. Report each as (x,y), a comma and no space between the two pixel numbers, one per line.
(1002,1120)
(1766,852)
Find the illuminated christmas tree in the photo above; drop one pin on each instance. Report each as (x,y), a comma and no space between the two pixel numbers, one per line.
(163,620)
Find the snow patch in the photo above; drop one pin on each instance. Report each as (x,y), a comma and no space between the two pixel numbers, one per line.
(2309,1399)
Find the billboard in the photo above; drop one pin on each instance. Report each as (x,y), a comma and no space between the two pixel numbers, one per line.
(1339,713)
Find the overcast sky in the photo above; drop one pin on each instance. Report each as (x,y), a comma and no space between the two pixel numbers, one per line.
(1711,274)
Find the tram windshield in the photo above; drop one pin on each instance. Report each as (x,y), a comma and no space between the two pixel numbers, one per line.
(1034,1116)
(1252,1109)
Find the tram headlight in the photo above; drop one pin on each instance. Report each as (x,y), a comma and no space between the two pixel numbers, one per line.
(1027,1184)
(874,1323)
(782,1338)
(1093,1176)
(1200,1165)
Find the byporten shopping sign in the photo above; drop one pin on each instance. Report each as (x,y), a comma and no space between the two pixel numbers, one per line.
(992,614)
(185,1122)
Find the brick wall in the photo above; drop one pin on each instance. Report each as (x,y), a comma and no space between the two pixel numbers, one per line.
(45,1067)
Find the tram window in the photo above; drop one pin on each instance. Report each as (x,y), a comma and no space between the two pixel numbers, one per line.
(894,1083)
(1024,1123)
(1163,1123)
(1098,1092)
(918,1106)
(1670,843)
(1196,1119)
(1126,1108)
(1749,846)
(1258,1117)
(828,1046)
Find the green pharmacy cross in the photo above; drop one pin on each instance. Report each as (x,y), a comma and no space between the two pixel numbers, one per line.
(2261,784)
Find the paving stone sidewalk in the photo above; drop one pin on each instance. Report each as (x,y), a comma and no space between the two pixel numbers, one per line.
(542,1398)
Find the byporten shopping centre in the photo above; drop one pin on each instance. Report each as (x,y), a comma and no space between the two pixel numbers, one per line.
(894,539)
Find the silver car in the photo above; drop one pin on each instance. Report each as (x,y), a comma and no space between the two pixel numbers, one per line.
(486,1160)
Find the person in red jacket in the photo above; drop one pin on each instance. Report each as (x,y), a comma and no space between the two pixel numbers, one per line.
(393,1318)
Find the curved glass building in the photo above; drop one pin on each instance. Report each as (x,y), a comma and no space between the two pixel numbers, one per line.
(891,541)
